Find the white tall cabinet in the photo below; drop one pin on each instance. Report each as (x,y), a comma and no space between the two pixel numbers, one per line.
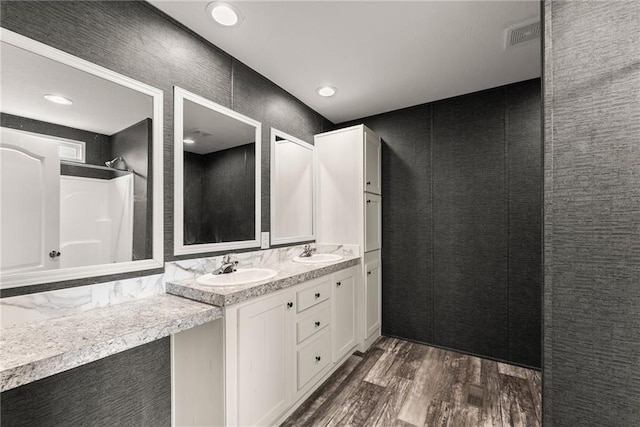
(349,200)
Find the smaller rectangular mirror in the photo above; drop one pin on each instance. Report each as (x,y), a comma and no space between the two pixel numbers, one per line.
(292,189)
(217,177)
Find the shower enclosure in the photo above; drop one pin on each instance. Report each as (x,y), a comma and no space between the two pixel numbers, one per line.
(58,214)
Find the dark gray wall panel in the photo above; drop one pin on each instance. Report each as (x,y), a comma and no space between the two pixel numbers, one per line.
(470,224)
(132,388)
(592,261)
(524,157)
(407,294)
(229,194)
(193,178)
(134,144)
(409,245)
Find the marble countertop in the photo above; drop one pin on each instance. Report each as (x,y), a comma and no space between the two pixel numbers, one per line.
(36,350)
(289,274)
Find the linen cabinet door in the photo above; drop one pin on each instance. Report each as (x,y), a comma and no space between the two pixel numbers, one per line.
(373,292)
(344,313)
(372,164)
(265,359)
(372,222)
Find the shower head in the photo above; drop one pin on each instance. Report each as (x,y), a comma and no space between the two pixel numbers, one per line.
(118,163)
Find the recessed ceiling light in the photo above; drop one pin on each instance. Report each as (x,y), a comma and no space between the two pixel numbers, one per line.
(188,141)
(326,91)
(224,13)
(57,99)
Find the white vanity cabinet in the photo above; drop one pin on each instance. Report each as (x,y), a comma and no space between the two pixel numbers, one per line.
(265,355)
(280,347)
(344,312)
(349,212)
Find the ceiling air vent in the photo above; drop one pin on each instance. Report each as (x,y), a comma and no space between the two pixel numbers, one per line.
(522,33)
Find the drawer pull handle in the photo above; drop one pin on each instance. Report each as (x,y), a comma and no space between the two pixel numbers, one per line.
(317,324)
(317,294)
(368,273)
(290,305)
(318,358)
(338,283)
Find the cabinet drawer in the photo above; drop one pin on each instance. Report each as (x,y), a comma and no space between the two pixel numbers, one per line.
(313,295)
(314,321)
(314,357)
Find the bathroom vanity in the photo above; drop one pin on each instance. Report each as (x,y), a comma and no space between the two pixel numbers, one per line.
(276,343)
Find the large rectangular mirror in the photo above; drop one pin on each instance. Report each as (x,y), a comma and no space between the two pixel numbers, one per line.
(292,189)
(217,177)
(80,167)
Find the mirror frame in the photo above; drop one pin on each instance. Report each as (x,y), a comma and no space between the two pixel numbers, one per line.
(275,240)
(179,248)
(47,276)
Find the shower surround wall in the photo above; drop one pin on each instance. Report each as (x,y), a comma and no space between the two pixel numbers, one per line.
(592,214)
(462,230)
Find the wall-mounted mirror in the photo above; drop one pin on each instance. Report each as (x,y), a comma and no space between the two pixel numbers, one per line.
(217,177)
(292,189)
(80,167)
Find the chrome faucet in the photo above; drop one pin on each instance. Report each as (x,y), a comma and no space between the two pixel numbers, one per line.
(227,266)
(307,252)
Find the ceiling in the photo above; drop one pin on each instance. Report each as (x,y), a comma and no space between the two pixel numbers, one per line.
(213,131)
(99,105)
(380,55)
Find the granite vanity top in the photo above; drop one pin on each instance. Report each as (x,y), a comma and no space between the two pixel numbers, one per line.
(37,350)
(289,274)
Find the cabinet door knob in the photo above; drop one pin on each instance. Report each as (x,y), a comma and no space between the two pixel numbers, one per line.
(318,358)
(368,182)
(317,294)
(54,254)
(368,201)
(290,304)
(338,283)
(317,324)
(368,273)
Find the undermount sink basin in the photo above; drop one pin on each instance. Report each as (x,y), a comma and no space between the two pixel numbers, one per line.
(243,276)
(318,258)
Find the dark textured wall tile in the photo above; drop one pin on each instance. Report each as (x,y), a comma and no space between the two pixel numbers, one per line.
(132,388)
(524,157)
(470,224)
(592,272)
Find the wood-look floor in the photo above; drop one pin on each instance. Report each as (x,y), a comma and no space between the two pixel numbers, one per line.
(399,383)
